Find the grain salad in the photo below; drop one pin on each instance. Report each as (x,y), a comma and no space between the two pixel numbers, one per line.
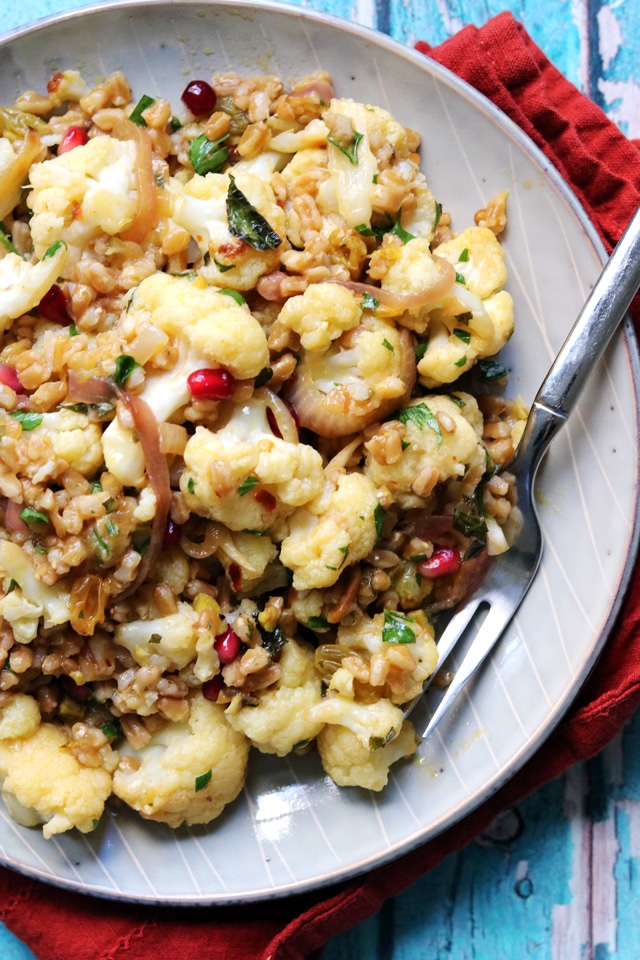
(249,440)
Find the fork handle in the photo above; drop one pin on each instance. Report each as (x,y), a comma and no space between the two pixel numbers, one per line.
(596,323)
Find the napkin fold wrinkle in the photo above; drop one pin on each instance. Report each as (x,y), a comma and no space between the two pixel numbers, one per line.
(603,168)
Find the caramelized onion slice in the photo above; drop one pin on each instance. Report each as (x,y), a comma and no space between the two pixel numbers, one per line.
(146,217)
(395,304)
(339,413)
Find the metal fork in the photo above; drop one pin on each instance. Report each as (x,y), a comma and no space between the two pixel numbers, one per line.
(510,575)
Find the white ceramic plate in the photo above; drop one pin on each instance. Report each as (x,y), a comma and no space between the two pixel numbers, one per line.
(292,829)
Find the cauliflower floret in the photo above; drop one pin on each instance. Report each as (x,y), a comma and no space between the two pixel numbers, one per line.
(23,606)
(384,634)
(44,782)
(20,717)
(360,378)
(189,771)
(374,724)
(200,207)
(351,764)
(331,533)
(210,329)
(322,313)
(59,440)
(412,268)
(244,476)
(310,138)
(479,257)
(250,552)
(81,194)
(432,453)
(282,719)
(352,182)
(171,642)
(24,284)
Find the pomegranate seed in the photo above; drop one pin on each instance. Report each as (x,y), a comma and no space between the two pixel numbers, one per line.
(211,384)
(227,646)
(172,533)
(442,561)
(199,97)
(74,137)
(54,307)
(266,500)
(211,689)
(9,378)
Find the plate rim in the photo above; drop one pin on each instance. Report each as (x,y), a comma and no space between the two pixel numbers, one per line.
(632,351)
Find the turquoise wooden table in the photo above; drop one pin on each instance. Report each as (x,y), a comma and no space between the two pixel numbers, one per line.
(558,878)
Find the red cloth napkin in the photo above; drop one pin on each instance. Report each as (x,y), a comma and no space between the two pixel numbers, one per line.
(603,168)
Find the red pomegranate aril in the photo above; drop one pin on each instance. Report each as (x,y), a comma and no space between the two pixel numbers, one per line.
(211,689)
(227,646)
(74,137)
(9,378)
(199,97)
(172,534)
(211,384)
(443,561)
(54,307)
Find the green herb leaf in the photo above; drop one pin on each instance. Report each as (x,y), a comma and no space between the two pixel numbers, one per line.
(463,335)
(318,623)
(112,528)
(263,377)
(491,370)
(174,124)
(136,114)
(239,299)
(460,278)
(465,317)
(420,415)
(191,485)
(349,149)
(399,231)
(73,330)
(459,402)
(33,517)
(223,267)
(53,249)
(101,543)
(421,349)
(28,419)
(461,362)
(396,629)
(464,256)
(5,239)
(125,365)
(364,230)
(203,780)
(272,640)
(436,219)
(376,743)
(247,484)
(112,729)
(379,517)
(155,638)
(208,156)
(368,302)
(245,221)
(389,346)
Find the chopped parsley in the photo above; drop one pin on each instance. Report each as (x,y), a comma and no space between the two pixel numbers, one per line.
(459,402)
(421,349)
(464,317)
(463,335)
(112,729)
(460,278)
(203,780)
(73,330)
(125,365)
(491,370)
(461,362)
(368,302)
(247,484)
(420,415)
(379,517)
(191,485)
(239,299)
(245,221)
(33,517)
(318,623)
(208,156)
(174,124)
(438,214)
(399,230)
(136,114)
(389,346)
(53,249)
(263,377)
(223,267)
(112,528)
(102,543)
(5,239)
(27,419)
(349,149)
(464,256)
(396,629)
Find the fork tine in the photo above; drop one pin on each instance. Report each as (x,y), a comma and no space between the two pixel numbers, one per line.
(455,628)
(489,633)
